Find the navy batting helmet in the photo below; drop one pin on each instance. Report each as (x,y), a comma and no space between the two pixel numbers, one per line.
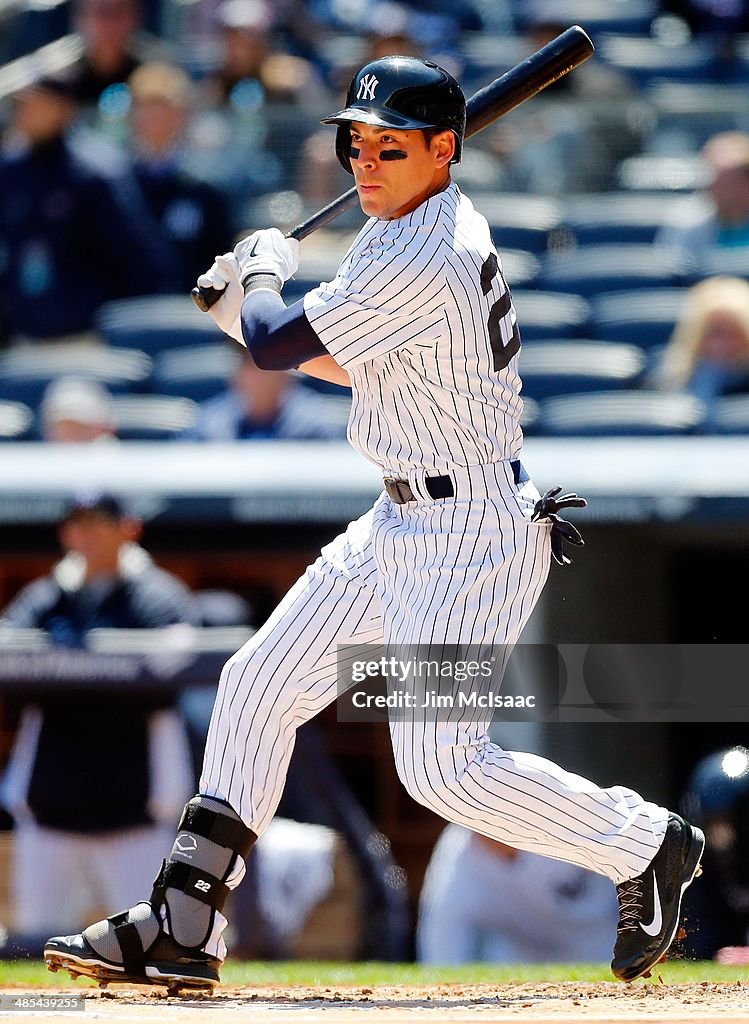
(404,93)
(718,785)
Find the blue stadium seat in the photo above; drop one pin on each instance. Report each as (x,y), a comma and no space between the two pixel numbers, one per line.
(15,421)
(562,368)
(644,317)
(731,415)
(488,54)
(155,322)
(644,59)
(694,111)
(26,372)
(728,262)
(196,372)
(632,17)
(594,269)
(677,173)
(530,416)
(551,314)
(622,413)
(616,217)
(152,417)
(520,269)
(520,221)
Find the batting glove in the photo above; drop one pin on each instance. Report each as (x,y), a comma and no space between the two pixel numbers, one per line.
(225,276)
(267,252)
(548,509)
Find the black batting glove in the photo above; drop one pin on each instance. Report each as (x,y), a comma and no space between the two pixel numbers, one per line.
(548,508)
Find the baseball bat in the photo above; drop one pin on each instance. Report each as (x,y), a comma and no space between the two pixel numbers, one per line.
(532,75)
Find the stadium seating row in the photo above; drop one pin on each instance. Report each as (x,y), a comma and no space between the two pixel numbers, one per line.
(592,414)
(553,367)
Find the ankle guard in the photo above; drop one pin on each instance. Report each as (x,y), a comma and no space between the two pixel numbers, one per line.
(206,862)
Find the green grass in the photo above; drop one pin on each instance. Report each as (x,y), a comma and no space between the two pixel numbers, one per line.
(328,975)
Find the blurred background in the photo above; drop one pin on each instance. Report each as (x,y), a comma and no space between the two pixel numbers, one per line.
(139,139)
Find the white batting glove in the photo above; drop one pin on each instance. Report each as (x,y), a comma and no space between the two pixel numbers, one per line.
(267,252)
(225,276)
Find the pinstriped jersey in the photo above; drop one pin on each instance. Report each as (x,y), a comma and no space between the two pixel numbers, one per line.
(420,316)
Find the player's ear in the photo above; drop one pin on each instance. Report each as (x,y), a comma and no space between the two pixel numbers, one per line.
(443,147)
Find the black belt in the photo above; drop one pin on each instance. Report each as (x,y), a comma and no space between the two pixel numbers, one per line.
(399,491)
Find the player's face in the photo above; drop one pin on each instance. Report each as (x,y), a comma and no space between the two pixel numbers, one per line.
(395,171)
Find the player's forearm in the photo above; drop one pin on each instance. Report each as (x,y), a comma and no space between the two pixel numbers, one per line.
(326,368)
(278,337)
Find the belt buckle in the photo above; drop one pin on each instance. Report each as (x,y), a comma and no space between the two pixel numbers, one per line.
(398,491)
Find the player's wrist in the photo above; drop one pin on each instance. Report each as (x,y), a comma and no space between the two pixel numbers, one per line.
(261,279)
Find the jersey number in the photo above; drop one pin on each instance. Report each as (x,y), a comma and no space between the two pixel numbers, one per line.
(502,353)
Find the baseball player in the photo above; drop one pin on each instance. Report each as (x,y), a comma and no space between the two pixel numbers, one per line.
(420,322)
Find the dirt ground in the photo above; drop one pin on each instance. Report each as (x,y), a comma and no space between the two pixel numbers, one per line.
(601,1003)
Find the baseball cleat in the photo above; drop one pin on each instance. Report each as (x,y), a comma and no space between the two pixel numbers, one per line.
(650,903)
(122,959)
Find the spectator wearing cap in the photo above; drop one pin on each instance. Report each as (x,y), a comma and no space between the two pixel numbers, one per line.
(718,218)
(75,411)
(74,229)
(563,146)
(250,53)
(261,405)
(95,779)
(192,214)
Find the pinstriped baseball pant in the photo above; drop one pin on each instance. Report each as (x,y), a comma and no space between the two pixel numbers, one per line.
(432,571)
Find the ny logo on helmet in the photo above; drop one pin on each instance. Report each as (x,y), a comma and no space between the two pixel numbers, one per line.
(367,87)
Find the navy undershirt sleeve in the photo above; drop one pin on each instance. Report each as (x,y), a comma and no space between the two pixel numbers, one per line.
(278,337)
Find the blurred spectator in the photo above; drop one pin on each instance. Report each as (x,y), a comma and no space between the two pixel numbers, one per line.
(94,783)
(591,80)
(721,19)
(483,901)
(249,139)
(74,230)
(721,216)
(76,411)
(433,20)
(192,214)
(320,177)
(250,55)
(113,46)
(717,799)
(260,404)
(575,134)
(387,28)
(708,354)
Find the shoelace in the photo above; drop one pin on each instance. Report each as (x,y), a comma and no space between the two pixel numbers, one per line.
(630,905)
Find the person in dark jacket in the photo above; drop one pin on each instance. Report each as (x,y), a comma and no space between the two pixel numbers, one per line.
(113,45)
(83,837)
(192,213)
(74,229)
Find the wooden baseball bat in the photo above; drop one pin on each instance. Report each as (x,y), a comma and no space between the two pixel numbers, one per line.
(570,49)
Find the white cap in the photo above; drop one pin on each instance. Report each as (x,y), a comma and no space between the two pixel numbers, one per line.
(76,399)
(246,15)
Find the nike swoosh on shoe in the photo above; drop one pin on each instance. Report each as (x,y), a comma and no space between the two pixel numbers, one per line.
(657,923)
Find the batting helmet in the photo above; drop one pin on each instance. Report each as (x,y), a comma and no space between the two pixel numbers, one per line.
(401,92)
(718,785)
